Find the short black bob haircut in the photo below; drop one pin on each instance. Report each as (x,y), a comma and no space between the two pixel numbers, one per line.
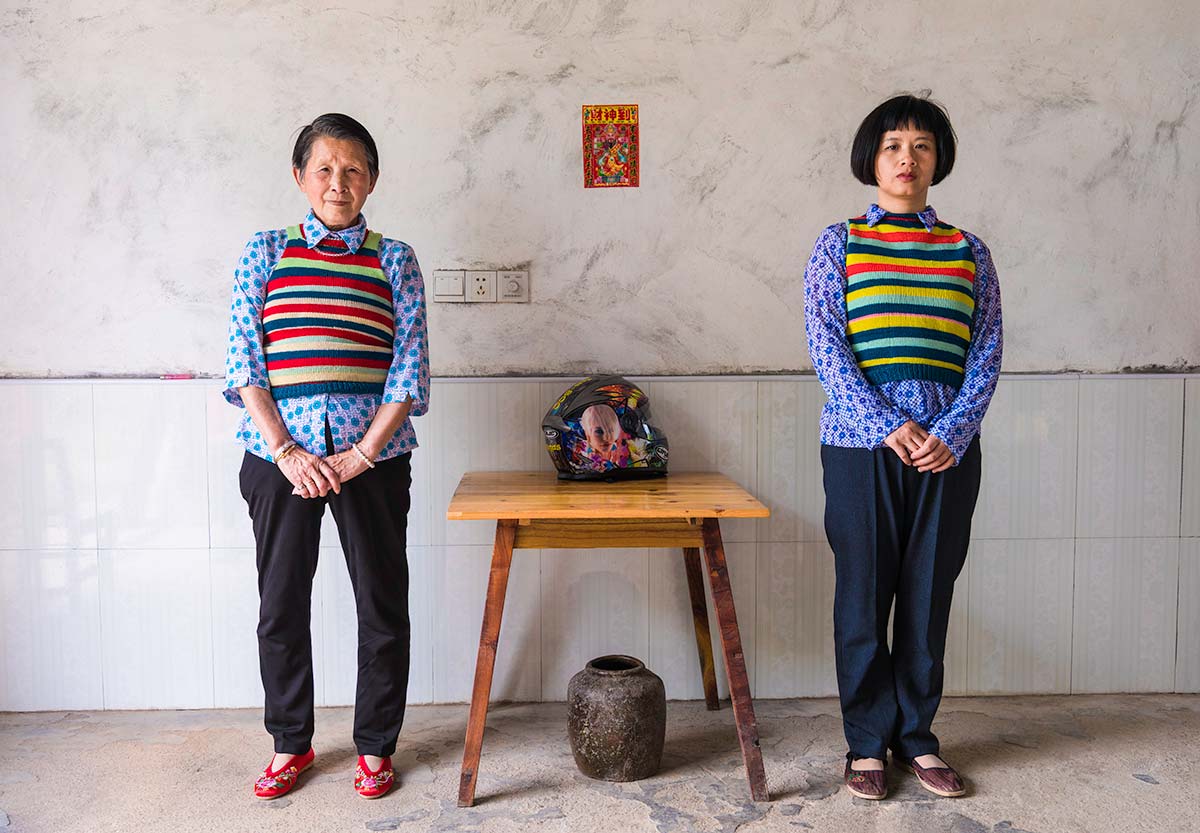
(335,126)
(903,111)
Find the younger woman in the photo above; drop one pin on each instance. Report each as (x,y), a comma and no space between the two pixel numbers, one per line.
(903,319)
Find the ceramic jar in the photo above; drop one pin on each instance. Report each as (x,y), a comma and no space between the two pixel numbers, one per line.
(617,719)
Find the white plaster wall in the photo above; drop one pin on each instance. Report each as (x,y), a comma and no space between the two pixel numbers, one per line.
(145,141)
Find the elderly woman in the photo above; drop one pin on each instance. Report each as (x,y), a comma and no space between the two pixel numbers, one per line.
(903,319)
(328,355)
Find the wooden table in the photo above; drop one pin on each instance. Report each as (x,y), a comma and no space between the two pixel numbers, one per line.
(535,510)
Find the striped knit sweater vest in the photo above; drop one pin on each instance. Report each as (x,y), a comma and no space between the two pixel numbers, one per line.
(328,320)
(910,299)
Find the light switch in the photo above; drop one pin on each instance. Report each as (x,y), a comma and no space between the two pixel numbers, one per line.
(448,285)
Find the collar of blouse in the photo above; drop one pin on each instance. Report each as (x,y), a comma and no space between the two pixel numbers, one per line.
(315,231)
(927,216)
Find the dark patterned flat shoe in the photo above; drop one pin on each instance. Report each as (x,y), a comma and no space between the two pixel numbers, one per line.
(870,784)
(939,780)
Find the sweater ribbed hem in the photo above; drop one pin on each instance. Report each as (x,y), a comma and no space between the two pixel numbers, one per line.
(923,372)
(315,388)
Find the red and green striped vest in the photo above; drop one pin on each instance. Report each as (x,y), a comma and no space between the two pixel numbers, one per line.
(328,320)
(910,299)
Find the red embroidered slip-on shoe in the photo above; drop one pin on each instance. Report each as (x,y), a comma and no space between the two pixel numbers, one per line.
(280,782)
(373,784)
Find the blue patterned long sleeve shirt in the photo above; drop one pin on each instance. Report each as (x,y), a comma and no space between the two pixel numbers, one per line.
(861,415)
(348,415)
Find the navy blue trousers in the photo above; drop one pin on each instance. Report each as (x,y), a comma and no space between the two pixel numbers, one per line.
(372,521)
(897,535)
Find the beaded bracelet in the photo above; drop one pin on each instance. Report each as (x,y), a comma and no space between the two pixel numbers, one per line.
(364,457)
(284,450)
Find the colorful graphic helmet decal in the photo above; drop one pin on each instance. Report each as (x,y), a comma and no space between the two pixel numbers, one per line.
(601,429)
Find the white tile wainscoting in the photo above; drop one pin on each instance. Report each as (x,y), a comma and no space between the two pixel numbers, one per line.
(127,573)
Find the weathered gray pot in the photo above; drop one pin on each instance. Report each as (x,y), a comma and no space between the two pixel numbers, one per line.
(617,719)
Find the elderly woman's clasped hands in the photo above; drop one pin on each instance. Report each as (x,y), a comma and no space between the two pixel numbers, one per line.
(314,476)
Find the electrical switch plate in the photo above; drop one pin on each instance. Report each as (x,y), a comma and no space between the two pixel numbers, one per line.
(448,285)
(481,287)
(513,286)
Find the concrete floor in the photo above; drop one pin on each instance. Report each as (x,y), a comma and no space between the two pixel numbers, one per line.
(1036,764)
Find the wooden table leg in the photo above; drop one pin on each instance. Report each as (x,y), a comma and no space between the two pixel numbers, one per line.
(489,638)
(735,662)
(695,580)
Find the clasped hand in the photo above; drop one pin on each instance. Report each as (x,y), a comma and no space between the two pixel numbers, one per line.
(314,476)
(917,447)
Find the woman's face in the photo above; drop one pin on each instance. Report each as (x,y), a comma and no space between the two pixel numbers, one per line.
(904,163)
(601,427)
(336,181)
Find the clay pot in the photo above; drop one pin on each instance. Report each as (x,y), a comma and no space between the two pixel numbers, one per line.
(617,719)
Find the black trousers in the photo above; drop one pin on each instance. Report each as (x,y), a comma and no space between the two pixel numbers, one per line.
(897,534)
(372,520)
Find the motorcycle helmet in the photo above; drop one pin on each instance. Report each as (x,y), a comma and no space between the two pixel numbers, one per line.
(600,429)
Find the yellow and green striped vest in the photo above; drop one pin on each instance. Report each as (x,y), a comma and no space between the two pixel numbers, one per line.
(910,299)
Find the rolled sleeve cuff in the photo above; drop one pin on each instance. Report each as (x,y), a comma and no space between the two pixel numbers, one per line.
(420,402)
(415,395)
(232,383)
(397,397)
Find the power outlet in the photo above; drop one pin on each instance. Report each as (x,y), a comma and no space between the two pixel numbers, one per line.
(481,287)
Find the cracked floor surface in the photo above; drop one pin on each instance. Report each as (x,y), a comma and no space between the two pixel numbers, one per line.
(1090,764)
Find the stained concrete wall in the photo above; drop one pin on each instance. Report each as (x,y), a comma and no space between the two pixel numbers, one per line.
(145,141)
